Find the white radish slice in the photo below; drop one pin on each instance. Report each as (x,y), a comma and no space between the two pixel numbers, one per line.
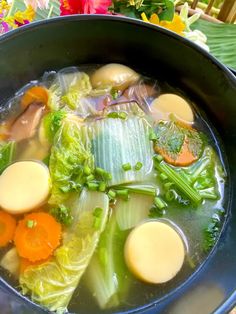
(154,252)
(24,186)
(114,75)
(167,104)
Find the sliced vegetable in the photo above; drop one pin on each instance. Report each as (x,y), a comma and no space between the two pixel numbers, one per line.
(70,153)
(107,276)
(52,283)
(7,228)
(35,94)
(7,151)
(11,262)
(167,104)
(24,186)
(130,213)
(114,75)
(111,151)
(154,252)
(180,145)
(37,236)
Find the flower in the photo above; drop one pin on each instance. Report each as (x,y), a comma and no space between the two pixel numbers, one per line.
(84,6)
(41,4)
(176,25)
(19,18)
(24,17)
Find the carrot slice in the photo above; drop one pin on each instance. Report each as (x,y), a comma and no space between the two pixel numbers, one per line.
(184,158)
(34,94)
(37,236)
(7,228)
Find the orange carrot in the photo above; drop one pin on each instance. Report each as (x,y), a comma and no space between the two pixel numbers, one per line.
(37,236)
(7,228)
(184,158)
(34,94)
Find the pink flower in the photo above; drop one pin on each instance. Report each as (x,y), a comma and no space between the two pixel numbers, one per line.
(84,6)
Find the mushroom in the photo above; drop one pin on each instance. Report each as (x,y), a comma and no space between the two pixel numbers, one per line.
(25,125)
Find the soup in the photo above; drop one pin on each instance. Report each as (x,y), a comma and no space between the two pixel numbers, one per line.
(112,189)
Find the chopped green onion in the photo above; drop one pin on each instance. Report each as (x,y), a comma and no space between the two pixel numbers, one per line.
(114,93)
(123,194)
(87,170)
(178,180)
(102,186)
(159,203)
(111,194)
(113,114)
(92,186)
(103,173)
(97,213)
(126,167)
(31,223)
(62,214)
(138,166)
(90,178)
(122,115)
(163,177)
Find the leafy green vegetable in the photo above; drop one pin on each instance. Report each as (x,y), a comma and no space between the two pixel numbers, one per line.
(178,179)
(7,151)
(62,214)
(78,87)
(165,8)
(201,177)
(172,135)
(50,125)
(70,153)
(107,276)
(52,283)
(211,232)
(221,40)
(111,151)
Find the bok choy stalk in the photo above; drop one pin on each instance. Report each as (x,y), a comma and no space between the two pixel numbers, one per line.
(116,142)
(52,283)
(107,275)
(70,153)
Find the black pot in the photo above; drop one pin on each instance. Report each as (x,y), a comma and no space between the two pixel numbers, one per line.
(53,44)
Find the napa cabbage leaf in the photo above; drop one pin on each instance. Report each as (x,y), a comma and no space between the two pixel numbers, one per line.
(53,283)
(70,153)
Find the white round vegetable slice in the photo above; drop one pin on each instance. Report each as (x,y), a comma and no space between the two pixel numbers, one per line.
(24,186)
(114,75)
(167,104)
(154,252)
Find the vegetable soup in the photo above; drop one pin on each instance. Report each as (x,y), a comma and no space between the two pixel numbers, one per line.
(112,189)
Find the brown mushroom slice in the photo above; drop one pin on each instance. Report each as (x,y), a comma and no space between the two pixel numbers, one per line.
(26,124)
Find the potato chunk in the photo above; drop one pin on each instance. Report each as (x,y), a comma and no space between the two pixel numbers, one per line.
(154,252)
(24,186)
